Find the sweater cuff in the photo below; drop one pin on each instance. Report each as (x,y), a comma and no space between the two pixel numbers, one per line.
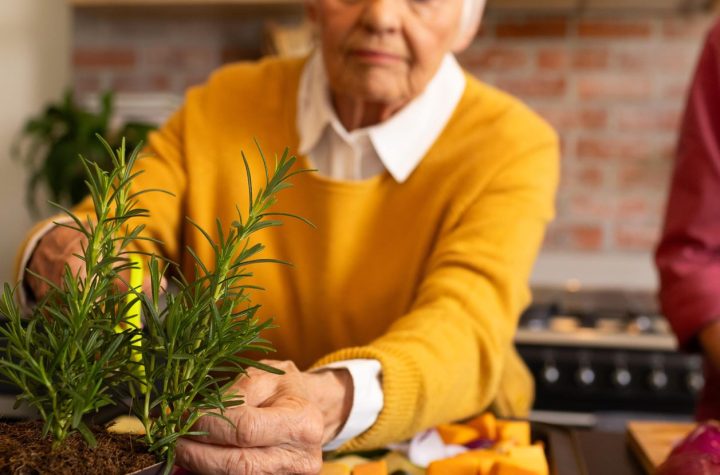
(402,394)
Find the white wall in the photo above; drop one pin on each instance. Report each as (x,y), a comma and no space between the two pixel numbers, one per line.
(35,37)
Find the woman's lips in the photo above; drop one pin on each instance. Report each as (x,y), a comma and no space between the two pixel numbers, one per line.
(375,56)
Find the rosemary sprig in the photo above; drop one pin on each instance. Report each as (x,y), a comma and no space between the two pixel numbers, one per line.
(67,358)
(192,348)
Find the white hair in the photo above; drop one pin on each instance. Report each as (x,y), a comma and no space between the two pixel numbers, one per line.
(472,11)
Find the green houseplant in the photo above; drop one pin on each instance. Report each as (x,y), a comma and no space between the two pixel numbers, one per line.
(81,348)
(49,144)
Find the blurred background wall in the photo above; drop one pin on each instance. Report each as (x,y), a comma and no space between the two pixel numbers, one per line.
(35,45)
(612,82)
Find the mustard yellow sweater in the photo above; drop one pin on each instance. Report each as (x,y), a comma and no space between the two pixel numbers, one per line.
(428,276)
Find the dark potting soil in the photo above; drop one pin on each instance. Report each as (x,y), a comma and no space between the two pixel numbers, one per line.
(23,451)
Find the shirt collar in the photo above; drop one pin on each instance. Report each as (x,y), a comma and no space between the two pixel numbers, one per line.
(401,141)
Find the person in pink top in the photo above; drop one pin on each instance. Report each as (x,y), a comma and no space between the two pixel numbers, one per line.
(688,254)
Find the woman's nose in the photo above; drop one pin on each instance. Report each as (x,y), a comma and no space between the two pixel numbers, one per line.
(382,16)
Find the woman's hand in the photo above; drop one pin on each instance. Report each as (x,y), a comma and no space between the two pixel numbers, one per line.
(280,429)
(58,247)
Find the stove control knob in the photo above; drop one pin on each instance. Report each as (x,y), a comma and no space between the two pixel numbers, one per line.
(621,377)
(658,379)
(695,381)
(550,374)
(585,376)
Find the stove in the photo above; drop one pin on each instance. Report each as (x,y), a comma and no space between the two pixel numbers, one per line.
(605,350)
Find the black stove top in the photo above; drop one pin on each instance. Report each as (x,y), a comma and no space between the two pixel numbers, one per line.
(605,350)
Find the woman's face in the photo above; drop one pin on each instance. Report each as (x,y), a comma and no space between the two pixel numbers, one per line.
(384,51)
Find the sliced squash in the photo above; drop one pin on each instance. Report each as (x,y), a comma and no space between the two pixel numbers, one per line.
(517,431)
(378,467)
(485,424)
(457,434)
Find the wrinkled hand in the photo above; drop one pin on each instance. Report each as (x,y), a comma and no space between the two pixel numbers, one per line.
(58,247)
(280,429)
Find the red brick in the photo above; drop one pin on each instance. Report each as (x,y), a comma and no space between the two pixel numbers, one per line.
(639,208)
(104,58)
(544,86)
(590,59)
(587,177)
(494,58)
(585,237)
(687,27)
(614,86)
(539,28)
(591,207)
(652,177)
(566,118)
(569,236)
(612,148)
(636,237)
(611,29)
(181,57)
(663,59)
(581,59)
(648,119)
(141,83)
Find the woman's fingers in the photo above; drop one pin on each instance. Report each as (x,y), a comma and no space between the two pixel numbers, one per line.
(289,421)
(218,460)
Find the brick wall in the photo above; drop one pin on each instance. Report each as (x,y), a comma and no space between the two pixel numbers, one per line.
(613,86)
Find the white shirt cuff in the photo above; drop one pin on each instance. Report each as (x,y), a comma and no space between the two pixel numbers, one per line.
(368,398)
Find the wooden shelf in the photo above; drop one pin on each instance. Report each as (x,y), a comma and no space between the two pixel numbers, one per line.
(179,3)
(525,5)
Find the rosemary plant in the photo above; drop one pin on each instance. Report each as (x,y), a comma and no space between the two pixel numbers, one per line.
(78,350)
(192,347)
(69,357)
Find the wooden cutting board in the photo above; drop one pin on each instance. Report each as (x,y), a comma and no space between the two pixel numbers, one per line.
(651,442)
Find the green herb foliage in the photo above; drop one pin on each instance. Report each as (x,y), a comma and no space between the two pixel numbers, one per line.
(69,359)
(192,347)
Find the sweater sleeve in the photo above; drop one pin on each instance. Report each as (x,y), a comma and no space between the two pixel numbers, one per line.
(445,358)
(688,255)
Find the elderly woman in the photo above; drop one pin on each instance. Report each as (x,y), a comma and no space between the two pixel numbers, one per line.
(431,200)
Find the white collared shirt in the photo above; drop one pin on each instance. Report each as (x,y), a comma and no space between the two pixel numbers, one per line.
(396,145)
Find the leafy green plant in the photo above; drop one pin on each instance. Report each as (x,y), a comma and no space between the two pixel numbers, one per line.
(69,359)
(192,347)
(50,143)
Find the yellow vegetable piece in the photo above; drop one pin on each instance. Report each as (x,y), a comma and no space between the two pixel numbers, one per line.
(458,434)
(351,461)
(518,431)
(530,458)
(507,467)
(485,459)
(485,424)
(454,466)
(334,468)
(379,467)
